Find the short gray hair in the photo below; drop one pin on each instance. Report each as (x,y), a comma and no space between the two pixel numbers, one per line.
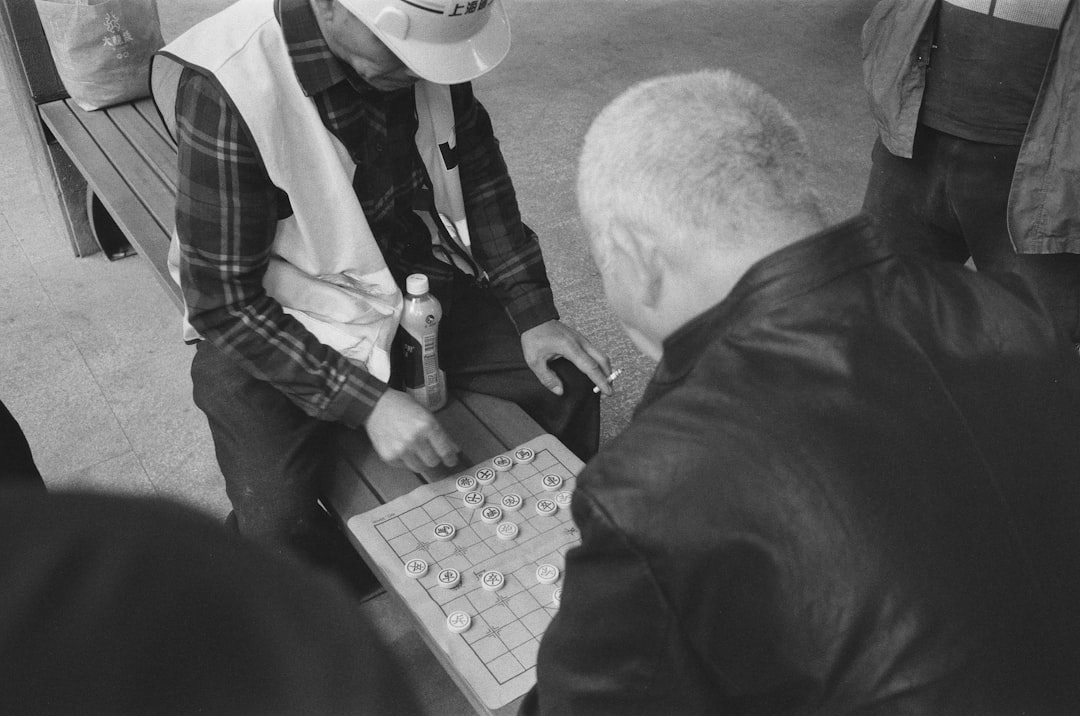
(693,157)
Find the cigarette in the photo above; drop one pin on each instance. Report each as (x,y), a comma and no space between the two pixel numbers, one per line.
(611,378)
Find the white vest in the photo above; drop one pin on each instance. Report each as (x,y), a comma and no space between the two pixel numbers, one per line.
(326,269)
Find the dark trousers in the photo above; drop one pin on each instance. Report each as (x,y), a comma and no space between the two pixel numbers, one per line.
(949,202)
(17,466)
(273,455)
(480,349)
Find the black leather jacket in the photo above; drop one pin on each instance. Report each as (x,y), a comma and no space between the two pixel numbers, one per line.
(851,486)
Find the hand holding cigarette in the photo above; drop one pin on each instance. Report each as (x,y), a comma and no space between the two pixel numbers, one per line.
(610,379)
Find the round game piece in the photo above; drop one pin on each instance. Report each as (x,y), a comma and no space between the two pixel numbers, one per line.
(506,530)
(523,456)
(449,578)
(492,580)
(458,622)
(551,482)
(563,499)
(416,568)
(556,596)
(473,500)
(547,574)
(546,507)
(502,463)
(512,502)
(465,483)
(485,476)
(491,514)
(444,531)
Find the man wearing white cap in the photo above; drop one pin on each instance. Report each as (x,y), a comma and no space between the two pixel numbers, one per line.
(327,149)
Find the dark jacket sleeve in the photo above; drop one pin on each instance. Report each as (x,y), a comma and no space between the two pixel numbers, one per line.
(673,602)
(601,652)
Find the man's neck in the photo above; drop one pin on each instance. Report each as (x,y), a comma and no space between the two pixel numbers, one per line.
(708,279)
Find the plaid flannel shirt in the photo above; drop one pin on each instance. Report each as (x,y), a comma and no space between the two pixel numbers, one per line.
(227,210)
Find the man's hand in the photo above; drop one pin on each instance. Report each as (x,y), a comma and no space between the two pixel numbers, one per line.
(403,432)
(557,340)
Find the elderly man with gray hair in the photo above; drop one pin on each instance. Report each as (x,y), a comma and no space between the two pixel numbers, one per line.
(851,483)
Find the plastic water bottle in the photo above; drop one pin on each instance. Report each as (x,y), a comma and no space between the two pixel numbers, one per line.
(418,342)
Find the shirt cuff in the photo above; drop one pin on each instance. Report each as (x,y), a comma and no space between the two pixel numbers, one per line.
(352,403)
(531,313)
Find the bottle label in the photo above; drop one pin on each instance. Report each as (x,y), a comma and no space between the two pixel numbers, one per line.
(430,362)
(412,365)
(420,374)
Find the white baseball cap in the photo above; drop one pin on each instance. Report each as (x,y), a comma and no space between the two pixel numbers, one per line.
(442,41)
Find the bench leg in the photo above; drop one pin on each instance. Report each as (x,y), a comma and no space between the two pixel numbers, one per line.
(71,191)
(106,233)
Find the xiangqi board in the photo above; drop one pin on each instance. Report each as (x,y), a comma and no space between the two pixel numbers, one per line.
(477,558)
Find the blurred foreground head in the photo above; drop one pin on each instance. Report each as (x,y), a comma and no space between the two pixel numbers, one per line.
(119,605)
(684,182)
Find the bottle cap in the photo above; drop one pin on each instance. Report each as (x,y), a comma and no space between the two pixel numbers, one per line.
(416,284)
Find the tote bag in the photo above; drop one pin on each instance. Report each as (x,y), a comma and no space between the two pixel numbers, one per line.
(102,48)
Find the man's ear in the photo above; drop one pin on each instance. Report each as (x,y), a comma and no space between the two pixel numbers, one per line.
(640,258)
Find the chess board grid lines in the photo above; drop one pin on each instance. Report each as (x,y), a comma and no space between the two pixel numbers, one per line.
(521,615)
(477,598)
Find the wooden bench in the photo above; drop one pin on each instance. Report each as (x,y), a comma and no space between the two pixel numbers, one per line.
(128,161)
(73,153)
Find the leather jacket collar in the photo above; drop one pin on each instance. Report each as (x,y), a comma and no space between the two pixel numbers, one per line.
(773,281)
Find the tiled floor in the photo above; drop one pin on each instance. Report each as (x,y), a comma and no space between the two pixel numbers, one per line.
(91,361)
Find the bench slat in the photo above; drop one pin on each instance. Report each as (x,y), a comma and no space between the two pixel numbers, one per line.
(384,481)
(146,108)
(145,138)
(509,423)
(472,435)
(113,188)
(359,481)
(158,198)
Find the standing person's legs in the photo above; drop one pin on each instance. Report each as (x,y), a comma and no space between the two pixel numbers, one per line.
(978,188)
(17,465)
(480,350)
(908,200)
(949,201)
(273,457)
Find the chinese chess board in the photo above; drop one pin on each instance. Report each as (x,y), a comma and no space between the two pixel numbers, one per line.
(478,558)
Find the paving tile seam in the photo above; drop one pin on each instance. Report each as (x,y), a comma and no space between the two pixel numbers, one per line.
(42,286)
(112,458)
